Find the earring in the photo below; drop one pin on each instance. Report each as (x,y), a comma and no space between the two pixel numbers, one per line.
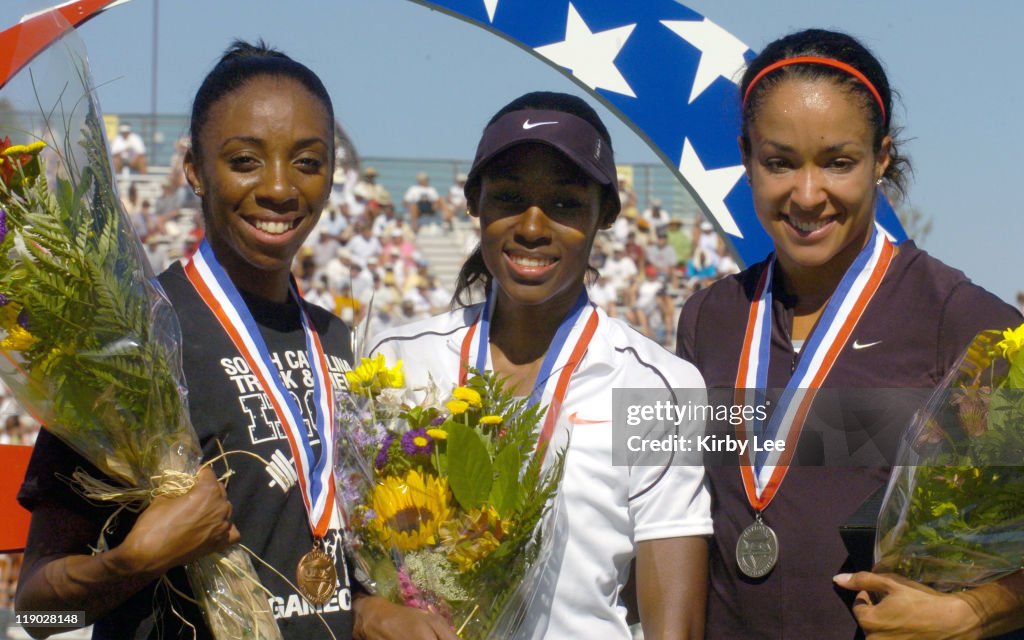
(197,190)
(878,182)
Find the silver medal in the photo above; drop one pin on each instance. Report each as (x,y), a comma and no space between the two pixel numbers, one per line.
(757,549)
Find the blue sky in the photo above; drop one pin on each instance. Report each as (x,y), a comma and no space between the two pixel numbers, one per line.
(411,82)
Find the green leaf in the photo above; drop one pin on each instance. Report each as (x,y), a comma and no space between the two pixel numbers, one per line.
(470,471)
(505,490)
(65,194)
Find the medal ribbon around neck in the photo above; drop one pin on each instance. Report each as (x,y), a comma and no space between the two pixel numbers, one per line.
(218,292)
(763,474)
(482,325)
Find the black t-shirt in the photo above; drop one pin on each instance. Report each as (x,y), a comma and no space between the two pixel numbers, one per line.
(919,322)
(230,411)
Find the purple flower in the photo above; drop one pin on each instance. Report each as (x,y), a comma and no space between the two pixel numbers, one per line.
(382,455)
(438,421)
(417,443)
(23,318)
(3,224)
(362,438)
(349,493)
(4,300)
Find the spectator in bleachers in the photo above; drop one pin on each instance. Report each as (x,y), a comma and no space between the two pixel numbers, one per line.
(166,211)
(620,269)
(346,306)
(627,196)
(456,199)
(142,219)
(419,297)
(364,245)
(332,224)
(366,191)
(634,248)
(623,225)
(603,294)
(679,240)
(320,294)
(423,204)
(387,218)
(367,188)
(362,281)
(706,240)
(388,297)
(338,269)
(326,247)
(655,216)
(648,299)
(662,257)
(128,150)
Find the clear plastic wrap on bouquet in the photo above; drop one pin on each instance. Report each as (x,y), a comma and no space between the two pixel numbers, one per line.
(447,506)
(953,513)
(89,344)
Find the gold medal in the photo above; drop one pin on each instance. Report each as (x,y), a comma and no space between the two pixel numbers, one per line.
(316,576)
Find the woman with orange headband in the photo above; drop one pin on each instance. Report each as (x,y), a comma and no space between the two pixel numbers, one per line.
(836,306)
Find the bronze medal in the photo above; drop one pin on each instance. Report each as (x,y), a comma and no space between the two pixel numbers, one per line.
(316,576)
(757,549)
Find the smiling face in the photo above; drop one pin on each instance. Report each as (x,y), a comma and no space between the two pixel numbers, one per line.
(265,176)
(539,213)
(813,171)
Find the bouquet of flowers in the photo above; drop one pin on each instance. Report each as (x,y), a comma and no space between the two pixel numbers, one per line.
(88,342)
(444,503)
(953,514)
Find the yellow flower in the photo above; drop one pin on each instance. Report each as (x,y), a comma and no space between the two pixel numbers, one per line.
(470,396)
(457,407)
(1012,348)
(437,434)
(373,374)
(393,378)
(491,420)
(1012,342)
(18,339)
(410,510)
(31,149)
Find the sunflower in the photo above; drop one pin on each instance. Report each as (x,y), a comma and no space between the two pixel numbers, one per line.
(410,509)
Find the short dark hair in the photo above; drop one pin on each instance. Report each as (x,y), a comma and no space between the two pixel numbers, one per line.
(474,270)
(240,63)
(837,46)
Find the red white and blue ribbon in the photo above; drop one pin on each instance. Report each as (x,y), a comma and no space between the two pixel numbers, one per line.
(554,356)
(763,474)
(223,299)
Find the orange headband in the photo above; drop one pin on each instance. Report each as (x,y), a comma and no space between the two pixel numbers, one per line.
(829,62)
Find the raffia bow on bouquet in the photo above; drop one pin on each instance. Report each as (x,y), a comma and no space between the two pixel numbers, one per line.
(88,342)
(444,503)
(953,514)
